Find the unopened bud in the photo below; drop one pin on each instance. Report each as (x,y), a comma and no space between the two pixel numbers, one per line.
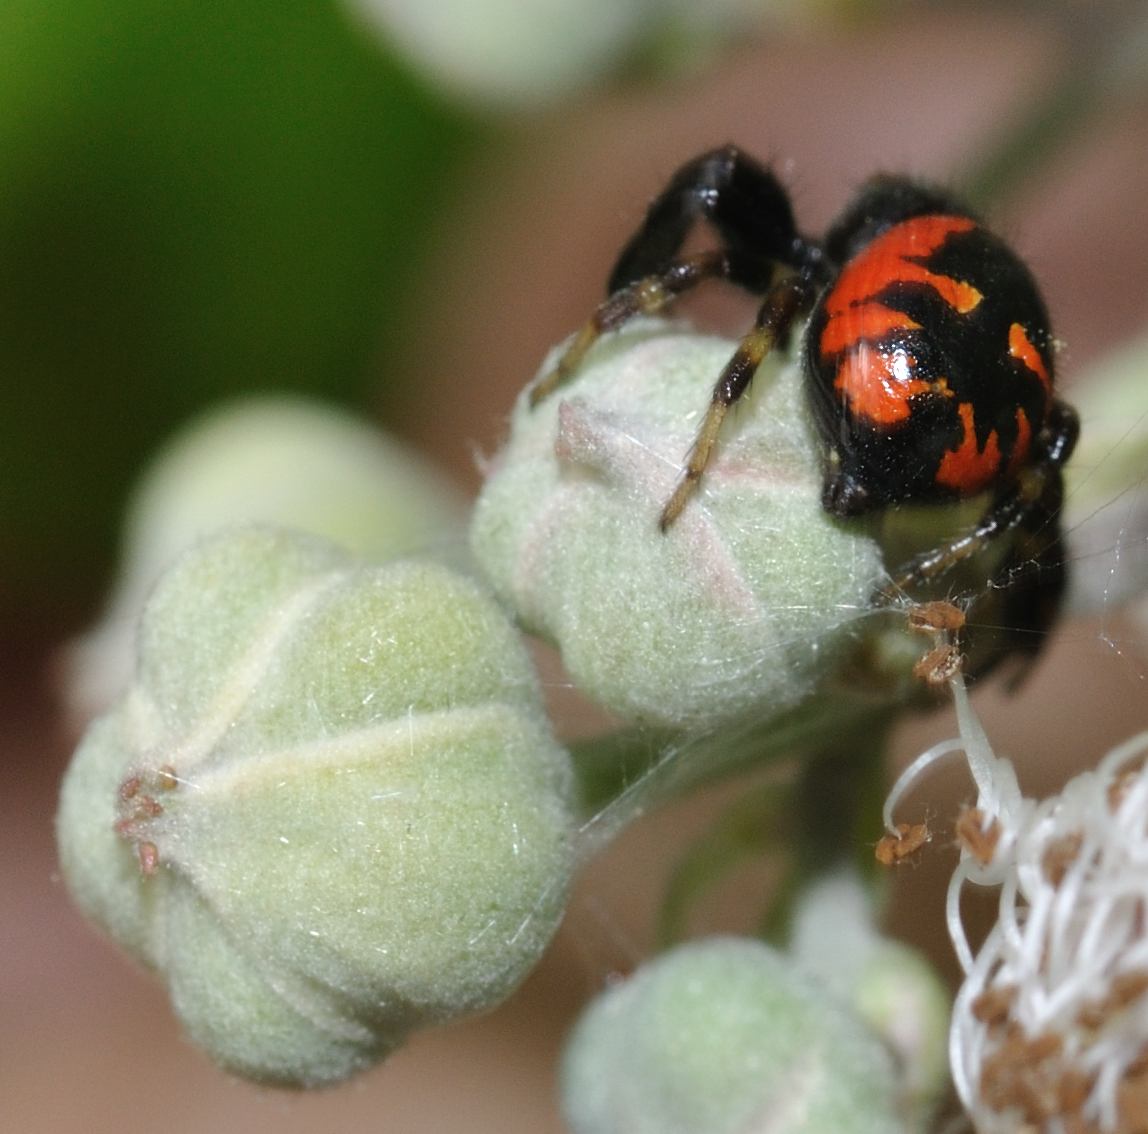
(741,604)
(725,1036)
(270,460)
(328,811)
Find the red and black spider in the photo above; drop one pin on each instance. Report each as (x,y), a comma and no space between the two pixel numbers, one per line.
(927,355)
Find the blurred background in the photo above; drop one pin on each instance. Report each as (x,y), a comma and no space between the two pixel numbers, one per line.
(400,207)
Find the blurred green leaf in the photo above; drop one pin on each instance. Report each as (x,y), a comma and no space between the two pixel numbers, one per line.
(194,200)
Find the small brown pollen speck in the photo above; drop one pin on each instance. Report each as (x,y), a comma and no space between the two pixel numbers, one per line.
(1123,991)
(148,854)
(993,1006)
(1073,1090)
(894,848)
(1059,856)
(938,666)
(1120,786)
(1128,987)
(1139,1065)
(1025,1074)
(1039,1048)
(1132,1102)
(936,617)
(977,837)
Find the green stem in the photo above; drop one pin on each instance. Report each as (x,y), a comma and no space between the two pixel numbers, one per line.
(625,774)
(806,823)
(754,827)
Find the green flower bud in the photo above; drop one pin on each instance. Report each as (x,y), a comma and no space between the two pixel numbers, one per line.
(725,1036)
(328,811)
(504,54)
(272,460)
(886,982)
(741,603)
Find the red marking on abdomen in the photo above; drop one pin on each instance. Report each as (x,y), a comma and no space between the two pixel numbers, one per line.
(877,384)
(870,321)
(1020,450)
(966,469)
(1020,347)
(853,313)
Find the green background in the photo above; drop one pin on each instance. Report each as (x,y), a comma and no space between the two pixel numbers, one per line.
(195,200)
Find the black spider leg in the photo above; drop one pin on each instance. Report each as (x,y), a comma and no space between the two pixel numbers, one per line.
(745,204)
(784,302)
(740,198)
(646,296)
(1033,499)
(1034,577)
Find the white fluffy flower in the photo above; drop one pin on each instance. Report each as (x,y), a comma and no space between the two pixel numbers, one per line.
(1050,1029)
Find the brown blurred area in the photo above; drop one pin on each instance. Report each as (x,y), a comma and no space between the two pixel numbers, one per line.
(87,1043)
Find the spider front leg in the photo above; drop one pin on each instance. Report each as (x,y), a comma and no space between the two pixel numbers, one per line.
(750,212)
(783,303)
(645,296)
(1033,578)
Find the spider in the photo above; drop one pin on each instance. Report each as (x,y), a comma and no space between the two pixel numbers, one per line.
(927,356)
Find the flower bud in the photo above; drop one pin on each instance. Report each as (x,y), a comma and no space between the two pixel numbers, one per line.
(328,811)
(272,460)
(514,55)
(741,603)
(886,982)
(725,1036)
(506,54)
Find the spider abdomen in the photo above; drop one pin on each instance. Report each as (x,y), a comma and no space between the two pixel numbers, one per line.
(929,364)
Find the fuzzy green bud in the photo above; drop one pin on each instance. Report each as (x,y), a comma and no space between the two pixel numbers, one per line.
(742,603)
(725,1036)
(889,985)
(328,811)
(272,460)
(508,55)
(505,54)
